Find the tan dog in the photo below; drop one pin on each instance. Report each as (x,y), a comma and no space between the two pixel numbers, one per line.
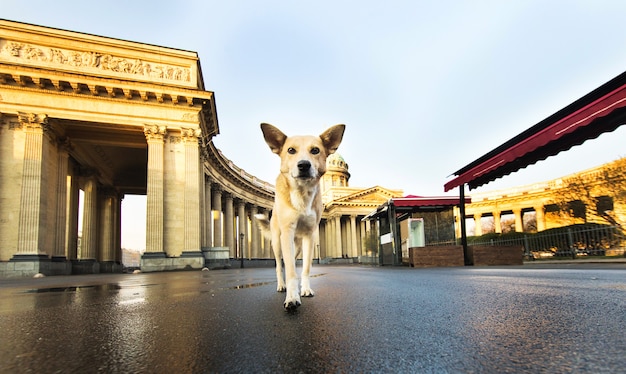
(294,226)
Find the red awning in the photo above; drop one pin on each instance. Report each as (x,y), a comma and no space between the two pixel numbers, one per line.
(418,201)
(412,203)
(600,111)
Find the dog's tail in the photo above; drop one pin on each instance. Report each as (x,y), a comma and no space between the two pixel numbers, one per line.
(264,224)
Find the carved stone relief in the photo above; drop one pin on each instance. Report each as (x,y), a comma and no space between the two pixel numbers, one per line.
(12,50)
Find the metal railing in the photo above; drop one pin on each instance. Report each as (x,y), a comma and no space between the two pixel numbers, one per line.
(569,242)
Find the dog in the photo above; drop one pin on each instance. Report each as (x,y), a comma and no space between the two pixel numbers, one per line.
(294,225)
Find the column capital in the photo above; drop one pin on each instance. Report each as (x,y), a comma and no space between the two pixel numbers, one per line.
(32,121)
(154,132)
(32,118)
(190,135)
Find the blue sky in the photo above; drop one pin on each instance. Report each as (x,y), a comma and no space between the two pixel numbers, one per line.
(424,87)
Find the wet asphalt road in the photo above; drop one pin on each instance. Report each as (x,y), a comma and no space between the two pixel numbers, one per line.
(363,319)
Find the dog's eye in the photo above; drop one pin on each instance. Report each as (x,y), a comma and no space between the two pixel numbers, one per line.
(291,150)
(315,150)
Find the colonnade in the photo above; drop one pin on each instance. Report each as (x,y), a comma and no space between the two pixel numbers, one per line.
(341,236)
(47,225)
(518,214)
(229,221)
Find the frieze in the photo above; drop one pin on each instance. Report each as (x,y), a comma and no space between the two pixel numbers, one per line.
(190,117)
(11,50)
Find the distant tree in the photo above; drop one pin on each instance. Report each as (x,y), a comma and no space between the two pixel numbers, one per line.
(508,225)
(487,225)
(530,222)
(593,196)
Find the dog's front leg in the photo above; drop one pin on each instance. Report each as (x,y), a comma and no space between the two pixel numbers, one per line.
(280,279)
(292,299)
(307,258)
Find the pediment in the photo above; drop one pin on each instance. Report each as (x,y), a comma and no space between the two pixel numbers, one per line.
(369,196)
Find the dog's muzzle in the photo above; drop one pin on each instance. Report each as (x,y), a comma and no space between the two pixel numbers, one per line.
(304,169)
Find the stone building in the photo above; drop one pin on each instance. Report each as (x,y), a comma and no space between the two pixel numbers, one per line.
(113,117)
(539,202)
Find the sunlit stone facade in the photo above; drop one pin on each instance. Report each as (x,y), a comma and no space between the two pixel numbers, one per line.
(110,117)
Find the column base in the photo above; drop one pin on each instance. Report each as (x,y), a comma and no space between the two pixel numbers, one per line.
(85,267)
(111,267)
(216,257)
(158,261)
(25,265)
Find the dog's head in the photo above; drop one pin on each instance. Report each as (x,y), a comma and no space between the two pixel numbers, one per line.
(303,157)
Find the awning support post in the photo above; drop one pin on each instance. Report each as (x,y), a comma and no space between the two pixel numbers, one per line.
(462,218)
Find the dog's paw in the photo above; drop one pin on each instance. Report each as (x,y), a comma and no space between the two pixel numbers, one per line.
(307,292)
(305,288)
(292,299)
(292,305)
(281,288)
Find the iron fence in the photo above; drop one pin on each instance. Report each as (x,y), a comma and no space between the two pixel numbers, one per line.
(569,242)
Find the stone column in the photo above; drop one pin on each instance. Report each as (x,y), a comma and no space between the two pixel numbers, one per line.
(72,216)
(497,222)
(88,246)
(353,246)
(229,225)
(208,215)
(540,217)
(61,203)
(192,190)
(519,222)
(107,226)
(155,189)
(338,237)
(117,234)
(267,248)
(364,230)
(254,233)
(267,251)
(32,216)
(243,230)
(217,220)
(330,238)
(478,229)
(321,247)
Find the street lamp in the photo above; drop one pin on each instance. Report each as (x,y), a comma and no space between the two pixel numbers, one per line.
(241,247)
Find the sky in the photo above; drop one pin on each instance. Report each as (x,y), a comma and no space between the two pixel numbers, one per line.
(424,87)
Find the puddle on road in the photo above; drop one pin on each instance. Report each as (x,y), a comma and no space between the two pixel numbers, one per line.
(99,287)
(258,284)
(116,287)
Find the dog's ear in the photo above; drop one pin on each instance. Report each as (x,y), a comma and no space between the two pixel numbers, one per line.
(331,138)
(273,137)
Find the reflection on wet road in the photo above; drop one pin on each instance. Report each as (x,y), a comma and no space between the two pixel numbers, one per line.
(362,319)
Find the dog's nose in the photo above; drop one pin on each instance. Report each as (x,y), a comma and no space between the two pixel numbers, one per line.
(304,165)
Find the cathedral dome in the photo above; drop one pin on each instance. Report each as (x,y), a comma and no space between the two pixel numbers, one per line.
(337,174)
(336,162)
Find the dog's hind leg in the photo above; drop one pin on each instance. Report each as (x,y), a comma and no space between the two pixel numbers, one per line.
(307,258)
